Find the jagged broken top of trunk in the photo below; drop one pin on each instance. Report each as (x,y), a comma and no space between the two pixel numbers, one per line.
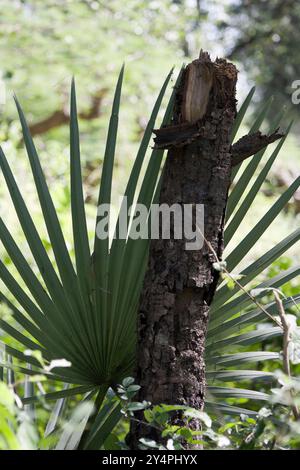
(199,95)
(207,85)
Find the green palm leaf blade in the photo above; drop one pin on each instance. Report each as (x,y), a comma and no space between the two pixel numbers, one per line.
(139,160)
(23,321)
(24,300)
(218,408)
(252,317)
(118,244)
(52,344)
(61,253)
(80,234)
(6,349)
(30,371)
(27,371)
(33,284)
(63,260)
(238,375)
(65,374)
(150,179)
(32,236)
(241,358)
(262,115)
(37,248)
(24,340)
(52,338)
(62,314)
(248,200)
(133,261)
(244,339)
(271,308)
(239,303)
(254,235)
(69,392)
(236,325)
(101,246)
(107,419)
(238,121)
(243,181)
(62,373)
(56,414)
(241,113)
(228,392)
(224,293)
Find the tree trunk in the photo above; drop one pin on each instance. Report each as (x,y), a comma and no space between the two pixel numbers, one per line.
(180,284)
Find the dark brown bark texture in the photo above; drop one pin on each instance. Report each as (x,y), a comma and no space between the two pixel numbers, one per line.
(180,284)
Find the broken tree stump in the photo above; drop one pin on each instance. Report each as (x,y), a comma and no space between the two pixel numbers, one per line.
(179,284)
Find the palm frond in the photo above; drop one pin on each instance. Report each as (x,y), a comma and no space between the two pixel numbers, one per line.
(85,312)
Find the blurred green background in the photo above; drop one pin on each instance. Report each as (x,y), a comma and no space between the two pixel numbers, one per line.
(43,43)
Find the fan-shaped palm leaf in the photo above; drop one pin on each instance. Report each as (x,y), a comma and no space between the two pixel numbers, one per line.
(86,312)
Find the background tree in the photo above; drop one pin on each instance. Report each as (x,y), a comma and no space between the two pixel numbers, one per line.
(264,38)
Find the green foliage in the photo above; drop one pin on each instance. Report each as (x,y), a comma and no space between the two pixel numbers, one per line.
(271,428)
(46,311)
(17,430)
(234,325)
(77,318)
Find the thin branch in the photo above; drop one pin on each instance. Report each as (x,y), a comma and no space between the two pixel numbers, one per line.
(61,117)
(251,144)
(242,287)
(286,342)
(286,333)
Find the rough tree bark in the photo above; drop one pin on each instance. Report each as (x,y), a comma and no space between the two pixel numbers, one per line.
(179,285)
